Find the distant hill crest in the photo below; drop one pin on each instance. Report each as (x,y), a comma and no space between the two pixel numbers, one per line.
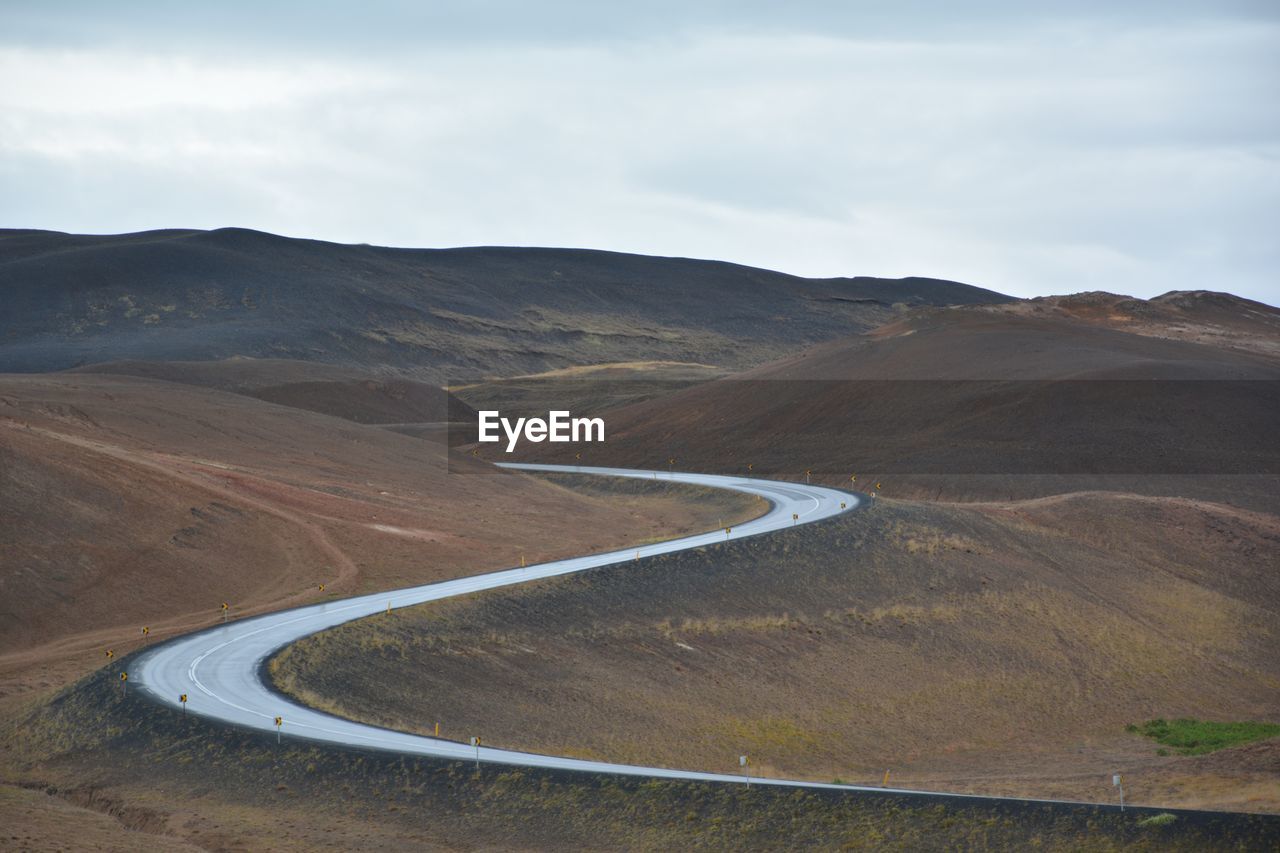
(434,314)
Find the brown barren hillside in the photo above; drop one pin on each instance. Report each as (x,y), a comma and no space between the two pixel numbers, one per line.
(128,502)
(343,392)
(1199,316)
(978,403)
(996,648)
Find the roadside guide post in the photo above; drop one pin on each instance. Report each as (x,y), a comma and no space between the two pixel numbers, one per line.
(124,683)
(1115,781)
(225,608)
(475,741)
(183,699)
(279,725)
(742,762)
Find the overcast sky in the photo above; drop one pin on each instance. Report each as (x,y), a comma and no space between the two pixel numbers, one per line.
(1136,151)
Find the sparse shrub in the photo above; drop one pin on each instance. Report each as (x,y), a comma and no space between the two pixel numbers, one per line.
(1162,819)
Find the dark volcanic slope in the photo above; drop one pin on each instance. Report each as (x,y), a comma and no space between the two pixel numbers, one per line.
(439,314)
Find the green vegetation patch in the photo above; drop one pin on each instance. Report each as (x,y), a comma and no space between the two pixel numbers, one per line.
(1162,819)
(1196,737)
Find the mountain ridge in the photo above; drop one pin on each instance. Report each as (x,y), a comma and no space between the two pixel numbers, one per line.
(433,314)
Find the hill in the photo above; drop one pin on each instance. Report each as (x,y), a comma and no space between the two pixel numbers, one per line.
(999,648)
(349,393)
(440,315)
(128,502)
(1206,317)
(982,402)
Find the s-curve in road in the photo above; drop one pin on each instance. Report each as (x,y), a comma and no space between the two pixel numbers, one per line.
(221,669)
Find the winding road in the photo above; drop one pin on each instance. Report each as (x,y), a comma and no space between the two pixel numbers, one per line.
(221,669)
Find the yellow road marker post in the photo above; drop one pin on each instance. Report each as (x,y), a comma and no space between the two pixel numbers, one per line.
(183,699)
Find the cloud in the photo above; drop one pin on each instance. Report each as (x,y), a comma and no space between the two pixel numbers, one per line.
(1021,152)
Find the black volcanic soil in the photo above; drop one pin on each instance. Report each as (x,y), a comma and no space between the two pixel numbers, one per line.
(442,315)
(98,770)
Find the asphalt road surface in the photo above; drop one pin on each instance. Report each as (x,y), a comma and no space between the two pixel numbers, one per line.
(220,669)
